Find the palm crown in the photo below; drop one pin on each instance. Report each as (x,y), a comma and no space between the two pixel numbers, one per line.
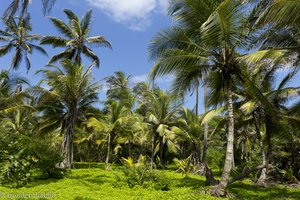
(18,38)
(76,38)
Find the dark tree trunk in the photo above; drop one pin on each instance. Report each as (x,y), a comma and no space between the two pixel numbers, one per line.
(78,57)
(268,138)
(219,190)
(210,180)
(161,150)
(129,149)
(263,176)
(153,150)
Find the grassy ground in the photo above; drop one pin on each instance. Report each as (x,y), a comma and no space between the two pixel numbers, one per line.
(91,181)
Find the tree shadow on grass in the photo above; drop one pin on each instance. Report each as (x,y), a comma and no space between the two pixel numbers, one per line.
(83,198)
(253,192)
(87,165)
(191,183)
(35,183)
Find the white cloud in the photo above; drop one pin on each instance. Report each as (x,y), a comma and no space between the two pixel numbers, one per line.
(160,80)
(165,79)
(104,88)
(136,14)
(140,78)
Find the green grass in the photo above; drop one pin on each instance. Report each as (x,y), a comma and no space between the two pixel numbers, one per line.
(92,181)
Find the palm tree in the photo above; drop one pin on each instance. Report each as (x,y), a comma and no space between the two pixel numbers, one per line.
(11,98)
(283,13)
(282,20)
(75,40)
(191,125)
(160,109)
(118,89)
(218,43)
(15,5)
(111,124)
(188,74)
(18,38)
(72,92)
(266,102)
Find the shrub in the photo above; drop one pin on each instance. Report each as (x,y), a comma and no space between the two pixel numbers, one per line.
(25,155)
(140,174)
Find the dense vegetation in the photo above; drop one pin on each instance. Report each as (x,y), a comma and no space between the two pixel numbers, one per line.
(234,49)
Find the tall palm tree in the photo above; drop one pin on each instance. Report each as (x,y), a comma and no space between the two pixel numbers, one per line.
(18,38)
(218,44)
(72,92)
(22,5)
(76,38)
(190,15)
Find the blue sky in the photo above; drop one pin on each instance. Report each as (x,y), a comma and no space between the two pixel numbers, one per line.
(129,25)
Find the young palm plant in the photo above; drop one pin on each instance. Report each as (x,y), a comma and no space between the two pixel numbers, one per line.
(117,116)
(161,111)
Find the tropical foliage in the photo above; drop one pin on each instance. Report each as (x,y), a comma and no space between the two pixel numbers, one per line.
(243,55)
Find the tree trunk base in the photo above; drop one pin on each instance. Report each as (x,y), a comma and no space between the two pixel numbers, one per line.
(210,180)
(218,192)
(263,178)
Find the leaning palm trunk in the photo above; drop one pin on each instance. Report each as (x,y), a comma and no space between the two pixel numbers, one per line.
(219,190)
(263,176)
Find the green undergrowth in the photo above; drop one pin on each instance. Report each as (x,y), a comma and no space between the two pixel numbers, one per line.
(92,181)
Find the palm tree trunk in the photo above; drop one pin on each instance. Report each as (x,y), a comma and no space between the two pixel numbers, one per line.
(78,57)
(262,179)
(67,148)
(67,145)
(108,149)
(219,190)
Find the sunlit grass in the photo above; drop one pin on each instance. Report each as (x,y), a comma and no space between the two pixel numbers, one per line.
(92,181)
